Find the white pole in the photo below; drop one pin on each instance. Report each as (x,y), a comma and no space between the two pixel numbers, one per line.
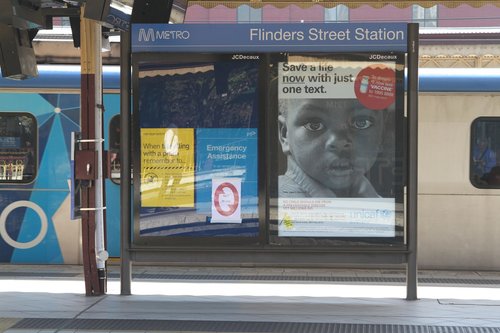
(101,253)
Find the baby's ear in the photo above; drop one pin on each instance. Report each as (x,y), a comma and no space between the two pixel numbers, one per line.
(283,132)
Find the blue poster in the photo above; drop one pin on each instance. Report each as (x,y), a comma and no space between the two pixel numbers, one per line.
(227,153)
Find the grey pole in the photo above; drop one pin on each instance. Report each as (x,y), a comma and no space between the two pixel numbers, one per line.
(412,190)
(125,170)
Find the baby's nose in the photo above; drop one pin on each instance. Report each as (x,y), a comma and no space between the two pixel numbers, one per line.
(339,141)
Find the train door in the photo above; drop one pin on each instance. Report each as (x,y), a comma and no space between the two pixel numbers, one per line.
(112,145)
(35,223)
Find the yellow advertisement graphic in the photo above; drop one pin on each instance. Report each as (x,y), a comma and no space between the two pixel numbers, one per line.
(167,167)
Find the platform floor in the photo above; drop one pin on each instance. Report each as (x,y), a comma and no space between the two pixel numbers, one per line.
(177,299)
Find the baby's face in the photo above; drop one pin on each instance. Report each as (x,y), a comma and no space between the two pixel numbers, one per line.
(335,142)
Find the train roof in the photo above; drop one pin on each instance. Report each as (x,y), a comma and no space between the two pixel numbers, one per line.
(459,79)
(62,77)
(430,79)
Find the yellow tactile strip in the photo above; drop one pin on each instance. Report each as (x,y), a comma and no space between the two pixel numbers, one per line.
(6,323)
(205,326)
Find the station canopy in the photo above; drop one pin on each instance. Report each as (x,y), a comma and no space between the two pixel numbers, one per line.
(348,3)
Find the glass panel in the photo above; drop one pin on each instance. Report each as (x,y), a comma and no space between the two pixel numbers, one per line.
(339,13)
(114,149)
(485,140)
(198,147)
(426,17)
(18,141)
(247,14)
(340,133)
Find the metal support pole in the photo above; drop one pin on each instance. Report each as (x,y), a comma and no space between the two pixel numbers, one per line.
(98,109)
(412,192)
(125,170)
(93,247)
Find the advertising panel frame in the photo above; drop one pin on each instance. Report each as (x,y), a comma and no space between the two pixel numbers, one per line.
(311,195)
(319,257)
(185,59)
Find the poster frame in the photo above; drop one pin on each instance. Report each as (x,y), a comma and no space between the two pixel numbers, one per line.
(266,180)
(187,241)
(356,254)
(400,163)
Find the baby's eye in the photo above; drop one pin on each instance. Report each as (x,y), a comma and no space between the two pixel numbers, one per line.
(314,126)
(361,123)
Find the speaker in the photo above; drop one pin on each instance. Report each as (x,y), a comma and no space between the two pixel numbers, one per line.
(120,13)
(74,23)
(22,14)
(97,10)
(17,57)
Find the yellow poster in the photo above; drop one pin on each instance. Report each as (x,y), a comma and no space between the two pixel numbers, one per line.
(167,167)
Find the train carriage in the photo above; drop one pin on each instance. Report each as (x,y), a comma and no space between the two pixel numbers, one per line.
(457,208)
(39,116)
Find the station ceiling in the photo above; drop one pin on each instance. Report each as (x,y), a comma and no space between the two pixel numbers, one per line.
(37,11)
(20,20)
(348,3)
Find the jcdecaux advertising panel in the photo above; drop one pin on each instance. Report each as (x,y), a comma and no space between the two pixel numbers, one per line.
(320,105)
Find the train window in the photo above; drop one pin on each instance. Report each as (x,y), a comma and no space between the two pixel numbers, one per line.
(114,149)
(485,152)
(248,14)
(339,13)
(18,143)
(425,17)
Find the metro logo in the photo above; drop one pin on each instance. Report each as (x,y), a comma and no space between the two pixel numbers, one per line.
(152,35)
(146,36)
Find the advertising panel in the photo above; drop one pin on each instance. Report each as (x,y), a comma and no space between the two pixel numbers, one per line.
(336,130)
(198,126)
(325,102)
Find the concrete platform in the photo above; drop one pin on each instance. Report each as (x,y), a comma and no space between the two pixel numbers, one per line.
(52,299)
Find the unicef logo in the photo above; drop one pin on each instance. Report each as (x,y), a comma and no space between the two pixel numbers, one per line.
(386,213)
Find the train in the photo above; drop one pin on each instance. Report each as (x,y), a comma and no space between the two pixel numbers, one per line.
(37,118)
(458,210)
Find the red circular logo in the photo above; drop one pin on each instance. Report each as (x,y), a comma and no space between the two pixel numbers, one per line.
(375,87)
(226,199)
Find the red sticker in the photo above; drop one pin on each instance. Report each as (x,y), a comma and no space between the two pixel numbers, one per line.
(375,87)
(221,199)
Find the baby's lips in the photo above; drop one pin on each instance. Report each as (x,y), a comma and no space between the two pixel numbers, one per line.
(341,164)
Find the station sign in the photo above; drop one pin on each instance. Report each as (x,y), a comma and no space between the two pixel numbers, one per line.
(293,37)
